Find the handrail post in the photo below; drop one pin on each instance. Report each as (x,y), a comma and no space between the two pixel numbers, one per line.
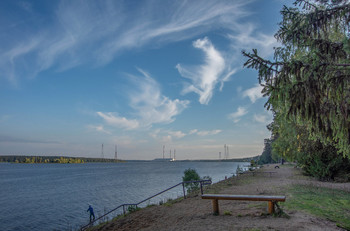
(183,188)
(201,188)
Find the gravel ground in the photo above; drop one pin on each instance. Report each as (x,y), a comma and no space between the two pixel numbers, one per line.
(195,213)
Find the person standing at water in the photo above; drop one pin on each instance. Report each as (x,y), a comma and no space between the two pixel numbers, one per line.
(91,210)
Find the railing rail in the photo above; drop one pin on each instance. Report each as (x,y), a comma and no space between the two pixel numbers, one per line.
(202,182)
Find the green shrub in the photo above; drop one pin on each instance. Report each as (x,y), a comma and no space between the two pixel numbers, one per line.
(323,161)
(191,175)
(133,208)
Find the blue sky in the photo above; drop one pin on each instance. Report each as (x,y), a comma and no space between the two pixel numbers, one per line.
(137,74)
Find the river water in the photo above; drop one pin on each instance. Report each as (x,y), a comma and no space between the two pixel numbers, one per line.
(56,196)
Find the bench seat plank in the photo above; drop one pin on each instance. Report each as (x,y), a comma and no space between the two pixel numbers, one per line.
(244,197)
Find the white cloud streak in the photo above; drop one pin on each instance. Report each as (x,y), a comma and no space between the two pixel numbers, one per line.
(207,133)
(236,116)
(177,134)
(117,121)
(253,93)
(65,35)
(260,118)
(150,105)
(246,37)
(169,135)
(205,77)
(99,128)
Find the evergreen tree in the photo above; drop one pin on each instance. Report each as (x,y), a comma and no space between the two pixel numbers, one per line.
(266,156)
(309,78)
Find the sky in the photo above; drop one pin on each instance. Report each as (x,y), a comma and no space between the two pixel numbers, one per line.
(137,74)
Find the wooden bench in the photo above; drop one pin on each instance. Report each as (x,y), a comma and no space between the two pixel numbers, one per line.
(272,200)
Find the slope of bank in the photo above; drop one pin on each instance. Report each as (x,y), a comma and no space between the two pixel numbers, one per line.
(299,210)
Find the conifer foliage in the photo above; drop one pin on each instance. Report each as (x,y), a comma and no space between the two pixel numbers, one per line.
(309,78)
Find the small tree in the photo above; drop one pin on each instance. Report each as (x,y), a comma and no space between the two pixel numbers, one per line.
(239,170)
(191,175)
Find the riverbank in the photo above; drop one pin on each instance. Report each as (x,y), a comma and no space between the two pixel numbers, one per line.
(300,210)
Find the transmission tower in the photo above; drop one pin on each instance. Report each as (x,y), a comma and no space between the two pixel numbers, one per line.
(228,154)
(116,153)
(225,149)
(102,156)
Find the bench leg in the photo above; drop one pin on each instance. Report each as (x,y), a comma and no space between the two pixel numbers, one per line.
(215,206)
(271,207)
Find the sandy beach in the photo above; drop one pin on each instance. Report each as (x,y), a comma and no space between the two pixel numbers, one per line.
(195,213)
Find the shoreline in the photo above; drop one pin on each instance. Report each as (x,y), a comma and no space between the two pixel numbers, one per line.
(194,213)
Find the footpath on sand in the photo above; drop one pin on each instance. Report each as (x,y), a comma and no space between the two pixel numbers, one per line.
(195,213)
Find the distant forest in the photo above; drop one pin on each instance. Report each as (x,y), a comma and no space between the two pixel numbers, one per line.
(53,159)
(247,159)
(81,160)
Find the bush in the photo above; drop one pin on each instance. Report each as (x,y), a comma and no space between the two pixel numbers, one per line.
(206,178)
(323,161)
(191,175)
(239,170)
(133,208)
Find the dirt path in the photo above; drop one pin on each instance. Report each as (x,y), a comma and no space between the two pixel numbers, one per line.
(196,214)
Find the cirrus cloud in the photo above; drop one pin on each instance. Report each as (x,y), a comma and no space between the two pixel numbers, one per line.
(68,34)
(236,116)
(253,93)
(205,77)
(150,105)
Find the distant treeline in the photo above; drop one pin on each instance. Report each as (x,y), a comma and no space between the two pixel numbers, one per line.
(247,159)
(53,159)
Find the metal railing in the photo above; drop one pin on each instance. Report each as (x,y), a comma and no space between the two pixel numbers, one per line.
(201,182)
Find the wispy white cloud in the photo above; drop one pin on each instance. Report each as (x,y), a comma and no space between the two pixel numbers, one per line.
(117,121)
(260,118)
(236,116)
(207,133)
(227,77)
(99,128)
(204,133)
(66,35)
(169,135)
(205,77)
(253,93)
(150,106)
(177,134)
(246,36)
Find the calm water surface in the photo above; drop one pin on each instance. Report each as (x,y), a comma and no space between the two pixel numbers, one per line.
(56,196)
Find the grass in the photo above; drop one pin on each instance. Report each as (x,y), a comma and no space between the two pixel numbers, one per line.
(231,181)
(227,213)
(259,205)
(323,202)
(170,201)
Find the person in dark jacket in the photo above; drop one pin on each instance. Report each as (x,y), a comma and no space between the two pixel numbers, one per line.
(92,215)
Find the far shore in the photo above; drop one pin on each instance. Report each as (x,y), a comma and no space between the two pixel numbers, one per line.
(80,160)
(310,205)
